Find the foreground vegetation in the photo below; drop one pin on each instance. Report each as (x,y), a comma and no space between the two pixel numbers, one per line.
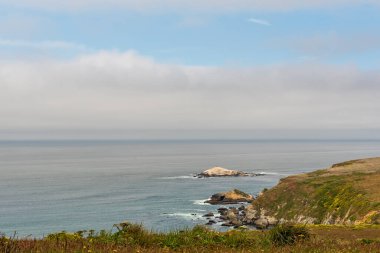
(133,238)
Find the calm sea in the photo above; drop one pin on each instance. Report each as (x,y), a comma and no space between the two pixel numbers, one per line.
(49,186)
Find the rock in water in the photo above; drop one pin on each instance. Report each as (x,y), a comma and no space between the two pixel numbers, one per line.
(210,214)
(232,197)
(222,172)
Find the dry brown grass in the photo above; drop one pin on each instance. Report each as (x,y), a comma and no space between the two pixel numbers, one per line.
(323,239)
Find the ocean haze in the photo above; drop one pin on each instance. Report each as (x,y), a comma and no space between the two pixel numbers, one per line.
(126,90)
(372,134)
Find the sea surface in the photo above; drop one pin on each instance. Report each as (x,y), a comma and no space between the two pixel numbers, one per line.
(50,186)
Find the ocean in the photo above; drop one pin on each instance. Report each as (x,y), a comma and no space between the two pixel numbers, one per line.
(50,186)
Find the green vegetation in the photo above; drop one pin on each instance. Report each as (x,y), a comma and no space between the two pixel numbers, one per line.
(133,238)
(287,234)
(238,192)
(347,193)
(346,163)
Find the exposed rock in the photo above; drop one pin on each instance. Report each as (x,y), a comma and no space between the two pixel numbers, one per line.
(222,172)
(222,210)
(236,223)
(223,217)
(210,214)
(210,222)
(227,224)
(261,223)
(272,221)
(251,215)
(232,197)
(231,215)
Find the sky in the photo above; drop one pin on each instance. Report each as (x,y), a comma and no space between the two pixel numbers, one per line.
(128,69)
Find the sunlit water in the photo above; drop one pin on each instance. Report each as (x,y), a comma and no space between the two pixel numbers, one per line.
(73,185)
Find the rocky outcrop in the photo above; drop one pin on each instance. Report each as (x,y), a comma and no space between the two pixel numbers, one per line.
(259,219)
(347,193)
(222,172)
(232,197)
(242,217)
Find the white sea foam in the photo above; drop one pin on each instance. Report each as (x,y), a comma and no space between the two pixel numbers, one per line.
(272,173)
(179,177)
(201,202)
(186,216)
(267,173)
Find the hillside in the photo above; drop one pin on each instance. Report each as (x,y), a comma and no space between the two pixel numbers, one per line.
(346,193)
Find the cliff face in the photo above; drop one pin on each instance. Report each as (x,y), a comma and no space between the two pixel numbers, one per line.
(346,193)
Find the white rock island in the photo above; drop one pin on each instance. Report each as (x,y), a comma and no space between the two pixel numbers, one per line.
(222,172)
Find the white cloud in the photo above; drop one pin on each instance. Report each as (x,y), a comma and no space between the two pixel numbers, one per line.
(113,90)
(165,5)
(260,21)
(333,43)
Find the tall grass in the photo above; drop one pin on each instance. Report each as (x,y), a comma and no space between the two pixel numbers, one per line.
(127,237)
(288,234)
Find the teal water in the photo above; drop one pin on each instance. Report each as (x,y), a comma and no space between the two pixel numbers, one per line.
(49,186)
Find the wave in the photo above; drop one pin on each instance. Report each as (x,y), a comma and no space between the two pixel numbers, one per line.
(201,202)
(179,177)
(267,173)
(193,176)
(186,216)
(273,173)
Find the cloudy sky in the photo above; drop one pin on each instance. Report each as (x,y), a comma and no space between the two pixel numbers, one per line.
(189,69)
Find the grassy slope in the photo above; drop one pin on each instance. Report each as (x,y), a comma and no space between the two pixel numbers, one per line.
(346,193)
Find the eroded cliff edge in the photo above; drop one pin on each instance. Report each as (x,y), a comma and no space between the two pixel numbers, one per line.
(346,193)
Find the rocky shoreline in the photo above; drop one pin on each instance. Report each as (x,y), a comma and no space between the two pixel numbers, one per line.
(237,217)
(346,193)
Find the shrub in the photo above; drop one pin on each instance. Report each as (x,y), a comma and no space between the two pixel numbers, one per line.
(287,234)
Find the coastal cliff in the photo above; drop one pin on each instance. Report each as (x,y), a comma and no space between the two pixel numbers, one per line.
(347,193)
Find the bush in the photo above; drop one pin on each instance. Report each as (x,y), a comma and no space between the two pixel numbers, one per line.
(287,234)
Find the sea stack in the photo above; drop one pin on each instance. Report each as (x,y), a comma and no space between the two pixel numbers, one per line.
(222,172)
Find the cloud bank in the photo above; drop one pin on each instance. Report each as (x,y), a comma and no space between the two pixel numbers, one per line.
(124,90)
(197,5)
(334,43)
